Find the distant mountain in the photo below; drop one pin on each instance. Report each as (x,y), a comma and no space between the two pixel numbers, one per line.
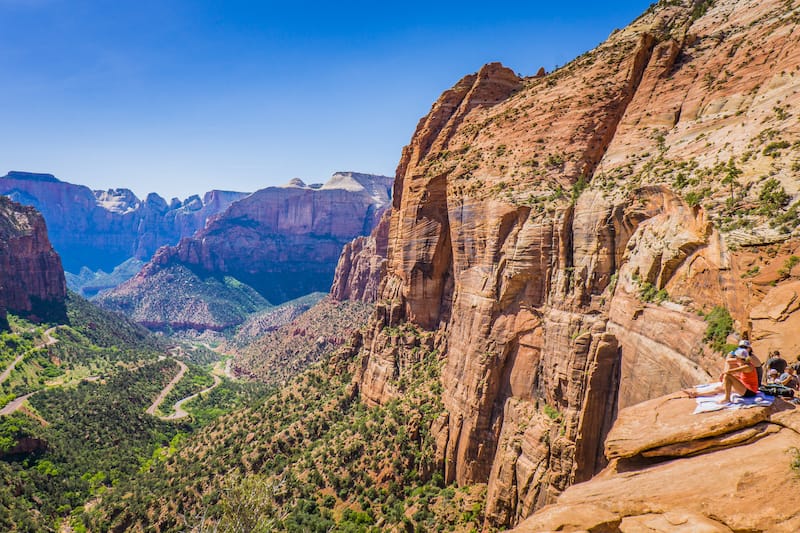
(284,242)
(102,229)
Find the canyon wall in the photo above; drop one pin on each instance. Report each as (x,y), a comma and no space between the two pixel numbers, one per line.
(31,278)
(565,234)
(101,229)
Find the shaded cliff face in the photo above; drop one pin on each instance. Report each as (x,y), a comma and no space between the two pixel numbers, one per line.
(284,242)
(562,233)
(361,265)
(101,229)
(31,278)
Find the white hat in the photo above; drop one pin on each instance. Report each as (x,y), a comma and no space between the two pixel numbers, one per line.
(741,353)
(744,343)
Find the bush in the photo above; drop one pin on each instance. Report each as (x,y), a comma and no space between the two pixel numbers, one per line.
(720,325)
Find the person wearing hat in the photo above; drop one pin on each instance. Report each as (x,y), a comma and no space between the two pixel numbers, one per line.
(744,343)
(739,376)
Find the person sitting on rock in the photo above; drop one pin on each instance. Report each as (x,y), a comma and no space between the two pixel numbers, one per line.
(739,376)
(772,377)
(777,362)
(789,378)
(744,343)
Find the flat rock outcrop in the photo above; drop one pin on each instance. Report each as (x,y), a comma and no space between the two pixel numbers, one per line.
(32,281)
(283,242)
(101,229)
(566,235)
(731,470)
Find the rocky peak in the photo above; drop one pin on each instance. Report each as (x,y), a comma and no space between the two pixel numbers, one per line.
(282,241)
(117,200)
(30,176)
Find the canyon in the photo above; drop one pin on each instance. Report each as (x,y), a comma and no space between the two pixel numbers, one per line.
(556,258)
(275,245)
(563,236)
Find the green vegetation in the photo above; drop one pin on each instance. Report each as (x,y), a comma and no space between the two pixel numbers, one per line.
(720,325)
(80,437)
(309,457)
(95,437)
(772,197)
(790,263)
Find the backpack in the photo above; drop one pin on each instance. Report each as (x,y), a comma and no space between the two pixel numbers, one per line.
(776,389)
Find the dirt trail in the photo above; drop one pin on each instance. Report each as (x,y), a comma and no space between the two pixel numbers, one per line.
(163,394)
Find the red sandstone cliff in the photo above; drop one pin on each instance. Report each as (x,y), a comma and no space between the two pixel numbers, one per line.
(361,265)
(535,221)
(31,278)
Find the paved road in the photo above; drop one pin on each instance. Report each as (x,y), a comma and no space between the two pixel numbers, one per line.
(48,341)
(178,407)
(15,404)
(163,394)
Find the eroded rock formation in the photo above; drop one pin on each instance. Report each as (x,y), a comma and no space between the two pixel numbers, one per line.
(361,265)
(561,234)
(671,470)
(31,278)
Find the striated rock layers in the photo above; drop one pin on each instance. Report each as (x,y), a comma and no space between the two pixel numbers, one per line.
(284,242)
(31,278)
(562,235)
(101,229)
(361,266)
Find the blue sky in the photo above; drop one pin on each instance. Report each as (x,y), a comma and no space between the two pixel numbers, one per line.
(179,97)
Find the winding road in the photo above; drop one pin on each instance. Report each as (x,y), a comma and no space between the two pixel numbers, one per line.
(171,385)
(48,341)
(14,405)
(178,407)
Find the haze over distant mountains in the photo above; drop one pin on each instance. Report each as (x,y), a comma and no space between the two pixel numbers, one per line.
(101,229)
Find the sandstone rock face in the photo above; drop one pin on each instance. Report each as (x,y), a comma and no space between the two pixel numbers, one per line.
(721,471)
(561,234)
(31,278)
(101,229)
(361,265)
(284,242)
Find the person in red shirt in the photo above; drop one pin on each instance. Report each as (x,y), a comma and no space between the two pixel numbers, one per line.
(741,379)
(739,376)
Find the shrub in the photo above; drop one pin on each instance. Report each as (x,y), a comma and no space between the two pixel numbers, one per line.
(720,325)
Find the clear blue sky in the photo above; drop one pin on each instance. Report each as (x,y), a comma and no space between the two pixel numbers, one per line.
(179,96)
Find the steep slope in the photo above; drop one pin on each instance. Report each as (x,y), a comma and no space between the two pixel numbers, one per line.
(31,279)
(561,234)
(277,356)
(281,241)
(179,299)
(101,229)
(560,248)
